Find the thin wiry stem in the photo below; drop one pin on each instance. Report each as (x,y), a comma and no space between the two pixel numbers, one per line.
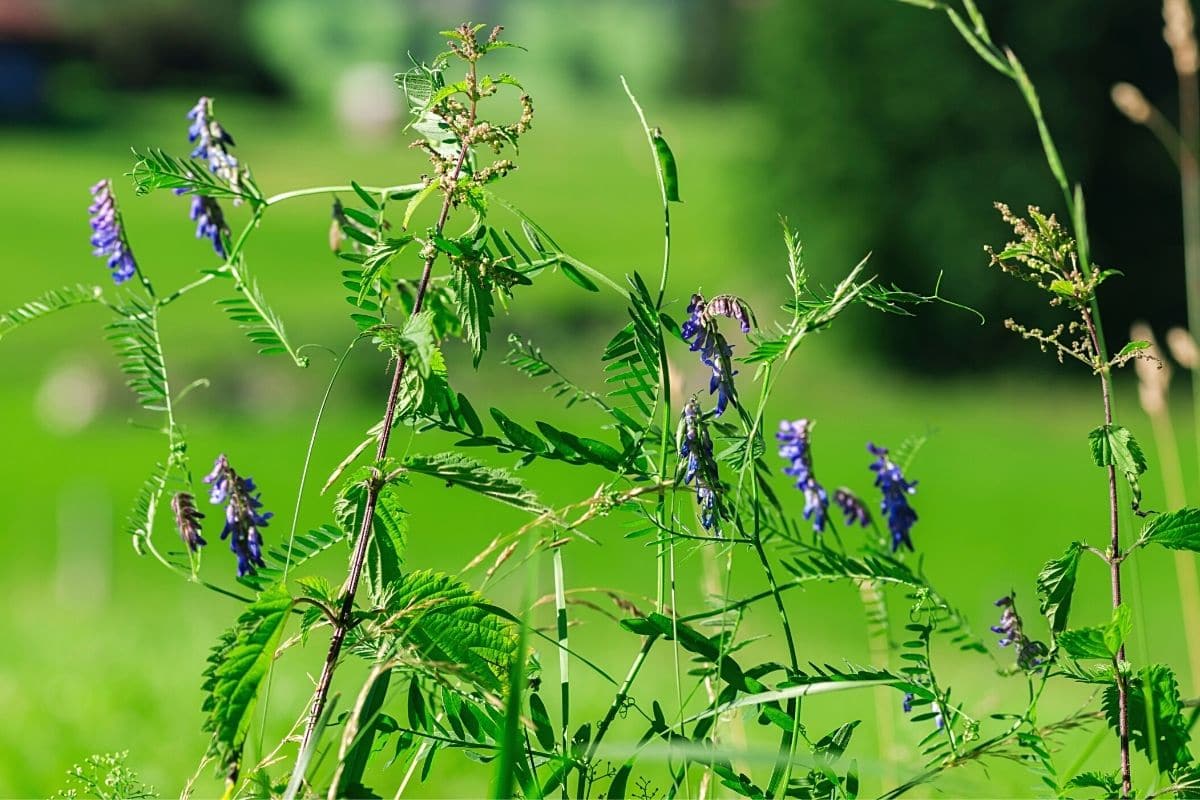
(385,434)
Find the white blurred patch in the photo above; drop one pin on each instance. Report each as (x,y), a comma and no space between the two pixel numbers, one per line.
(70,397)
(366,100)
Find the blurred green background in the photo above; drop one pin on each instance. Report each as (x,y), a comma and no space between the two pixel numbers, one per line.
(868,124)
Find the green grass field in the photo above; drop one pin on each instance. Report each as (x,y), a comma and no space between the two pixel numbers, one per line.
(103,649)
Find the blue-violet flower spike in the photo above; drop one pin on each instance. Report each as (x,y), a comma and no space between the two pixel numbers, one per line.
(210,222)
(108,235)
(695,445)
(895,489)
(243,515)
(701,333)
(212,143)
(854,508)
(794,446)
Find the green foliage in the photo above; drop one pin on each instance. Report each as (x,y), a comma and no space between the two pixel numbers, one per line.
(388,531)
(1056,586)
(1176,530)
(48,303)
(459,470)
(156,169)
(1157,726)
(1113,445)
(248,308)
(135,338)
(292,554)
(451,626)
(236,668)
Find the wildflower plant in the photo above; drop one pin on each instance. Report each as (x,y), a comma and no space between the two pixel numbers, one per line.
(452,675)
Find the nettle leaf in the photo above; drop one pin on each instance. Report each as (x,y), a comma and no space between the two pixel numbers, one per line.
(459,470)
(1177,530)
(1084,643)
(236,668)
(1056,585)
(1154,688)
(378,257)
(1133,347)
(1109,782)
(385,550)
(1114,445)
(475,307)
(448,622)
(48,303)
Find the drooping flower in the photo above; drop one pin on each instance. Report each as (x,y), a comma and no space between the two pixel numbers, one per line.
(695,445)
(243,517)
(187,520)
(795,447)
(854,508)
(210,222)
(212,143)
(108,235)
(1030,653)
(895,489)
(701,333)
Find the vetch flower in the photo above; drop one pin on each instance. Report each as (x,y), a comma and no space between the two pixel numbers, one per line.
(895,489)
(701,333)
(854,508)
(210,222)
(108,235)
(907,704)
(695,445)
(795,447)
(212,143)
(1030,653)
(243,517)
(187,520)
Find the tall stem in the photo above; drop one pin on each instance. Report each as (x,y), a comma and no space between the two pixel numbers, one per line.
(385,434)
(1114,562)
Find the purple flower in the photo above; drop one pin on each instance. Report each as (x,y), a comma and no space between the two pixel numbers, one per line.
(108,235)
(695,445)
(243,519)
(701,333)
(187,520)
(1030,654)
(212,143)
(895,489)
(210,222)
(794,446)
(854,508)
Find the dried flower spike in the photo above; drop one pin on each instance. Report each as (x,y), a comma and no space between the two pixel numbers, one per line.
(108,235)
(1030,654)
(852,506)
(187,520)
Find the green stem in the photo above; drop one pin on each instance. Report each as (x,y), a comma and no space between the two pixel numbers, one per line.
(385,191)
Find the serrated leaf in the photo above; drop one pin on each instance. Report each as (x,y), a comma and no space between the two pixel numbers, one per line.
(1154,687)
(1133,347)
(385,549)
(237,667)
(1114,445)
(447,622)
(1084,643)
(459,470)
(1176,530)
(1056,586)
(475,308)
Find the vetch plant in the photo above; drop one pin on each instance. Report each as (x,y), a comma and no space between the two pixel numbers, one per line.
(453,676)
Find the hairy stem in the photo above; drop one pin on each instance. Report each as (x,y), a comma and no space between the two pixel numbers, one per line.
(373,488)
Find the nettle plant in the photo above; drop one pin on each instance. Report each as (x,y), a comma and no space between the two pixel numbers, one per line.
(451,675)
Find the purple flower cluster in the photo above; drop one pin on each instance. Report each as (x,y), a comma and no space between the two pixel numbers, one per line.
(701,333)
(695,445)
(243,517)
(108,235)
(210,222)
(895,489)
(854,508)
(1030,653)
(794,446)
(212,143)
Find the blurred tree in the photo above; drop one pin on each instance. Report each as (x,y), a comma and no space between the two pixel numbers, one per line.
(890,135)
